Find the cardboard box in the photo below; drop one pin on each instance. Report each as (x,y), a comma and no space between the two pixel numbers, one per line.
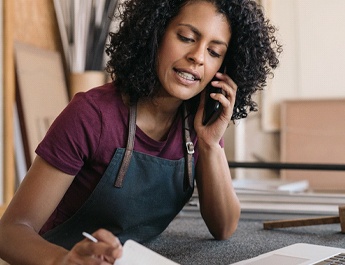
(313,131)
(41,95)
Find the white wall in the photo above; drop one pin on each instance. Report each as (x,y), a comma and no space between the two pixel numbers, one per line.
(313,61)
(312,66)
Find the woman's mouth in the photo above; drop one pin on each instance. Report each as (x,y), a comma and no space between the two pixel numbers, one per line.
(187,76)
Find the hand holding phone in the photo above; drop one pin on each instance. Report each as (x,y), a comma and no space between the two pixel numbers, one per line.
(212,107)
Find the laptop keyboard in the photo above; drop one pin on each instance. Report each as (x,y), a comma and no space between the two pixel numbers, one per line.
(336,260)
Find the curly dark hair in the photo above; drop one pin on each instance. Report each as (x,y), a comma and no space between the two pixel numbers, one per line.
(252,54)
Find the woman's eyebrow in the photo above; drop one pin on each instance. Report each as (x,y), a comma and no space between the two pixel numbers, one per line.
(197,32)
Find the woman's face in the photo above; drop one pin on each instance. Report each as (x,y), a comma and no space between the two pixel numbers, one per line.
(192,49)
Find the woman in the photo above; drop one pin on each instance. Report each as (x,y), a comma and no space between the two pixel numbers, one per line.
(120,161)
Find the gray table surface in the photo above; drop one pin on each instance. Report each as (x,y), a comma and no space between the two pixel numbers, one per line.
(187,240)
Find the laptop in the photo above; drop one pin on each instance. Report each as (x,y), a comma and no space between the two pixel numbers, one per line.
(297,254)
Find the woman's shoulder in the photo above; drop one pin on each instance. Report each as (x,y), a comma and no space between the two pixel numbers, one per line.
(103,94)
(103,99)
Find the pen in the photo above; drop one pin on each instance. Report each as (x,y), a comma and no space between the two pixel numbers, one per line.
(88,236)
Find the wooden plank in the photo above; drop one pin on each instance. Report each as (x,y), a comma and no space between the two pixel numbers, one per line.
(33,22)
(9,98)
(1,107)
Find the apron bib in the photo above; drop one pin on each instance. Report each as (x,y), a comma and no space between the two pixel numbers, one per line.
(137,196)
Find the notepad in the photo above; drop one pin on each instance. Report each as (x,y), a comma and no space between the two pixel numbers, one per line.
(135,254)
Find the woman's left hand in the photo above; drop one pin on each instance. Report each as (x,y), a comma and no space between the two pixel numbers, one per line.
(214,131)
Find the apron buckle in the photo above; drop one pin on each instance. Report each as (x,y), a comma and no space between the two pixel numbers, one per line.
(190,148)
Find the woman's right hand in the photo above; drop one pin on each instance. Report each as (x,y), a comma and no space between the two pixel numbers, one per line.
(104,252)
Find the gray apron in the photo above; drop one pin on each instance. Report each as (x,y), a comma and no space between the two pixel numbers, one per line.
(136,198)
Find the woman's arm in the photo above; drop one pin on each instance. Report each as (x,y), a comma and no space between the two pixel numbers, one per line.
(36,199)
(219,204)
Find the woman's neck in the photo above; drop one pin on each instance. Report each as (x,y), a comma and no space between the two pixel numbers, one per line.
(155,116)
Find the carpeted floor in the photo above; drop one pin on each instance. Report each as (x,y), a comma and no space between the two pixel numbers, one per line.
(188,242)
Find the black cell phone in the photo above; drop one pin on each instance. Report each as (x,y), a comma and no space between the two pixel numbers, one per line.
(212,107)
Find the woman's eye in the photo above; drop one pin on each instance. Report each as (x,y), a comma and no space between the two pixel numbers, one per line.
(213,53)
(185,39)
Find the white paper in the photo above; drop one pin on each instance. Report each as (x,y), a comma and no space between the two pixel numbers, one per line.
(136,254)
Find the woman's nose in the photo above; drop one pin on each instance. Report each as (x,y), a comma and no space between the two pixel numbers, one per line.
(196,55)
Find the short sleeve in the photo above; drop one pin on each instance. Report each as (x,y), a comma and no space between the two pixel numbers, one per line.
(73,137)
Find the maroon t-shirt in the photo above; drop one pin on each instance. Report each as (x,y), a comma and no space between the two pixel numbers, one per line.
(84,137)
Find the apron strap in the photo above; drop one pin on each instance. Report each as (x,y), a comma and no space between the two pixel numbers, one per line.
(189,147)
(129,148)
(130,144)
